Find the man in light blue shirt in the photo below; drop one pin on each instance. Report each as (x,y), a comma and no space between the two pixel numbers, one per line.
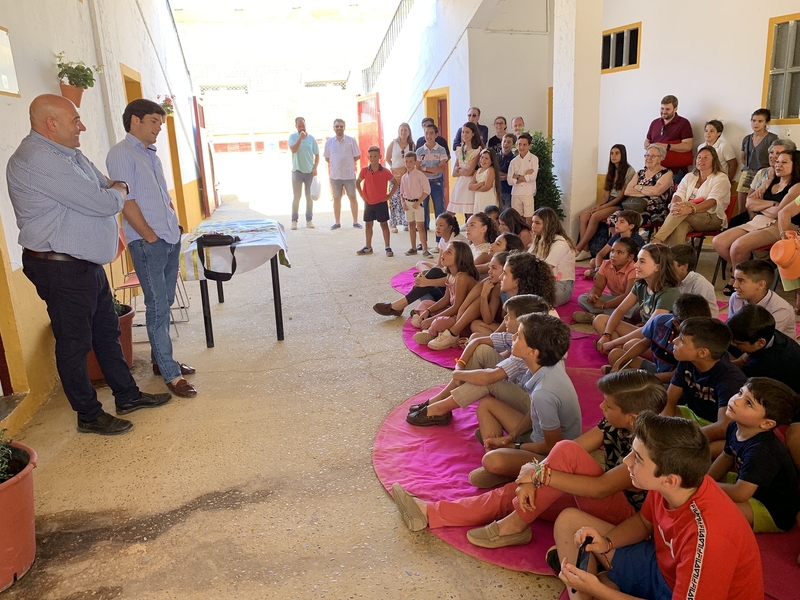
(305,158)
(66,213)
(152,231)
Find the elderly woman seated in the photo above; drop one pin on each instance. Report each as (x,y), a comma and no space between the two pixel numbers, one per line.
(766,202)
(650,193)
(700,201)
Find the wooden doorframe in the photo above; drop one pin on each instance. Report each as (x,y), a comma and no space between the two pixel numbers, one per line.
(430,100)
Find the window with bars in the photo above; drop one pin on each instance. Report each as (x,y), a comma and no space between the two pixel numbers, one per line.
(204,89)
(782,80)
(621,48)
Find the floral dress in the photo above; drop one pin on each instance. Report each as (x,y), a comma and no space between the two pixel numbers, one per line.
(657,206)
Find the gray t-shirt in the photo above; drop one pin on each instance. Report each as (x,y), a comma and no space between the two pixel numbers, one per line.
(554,403)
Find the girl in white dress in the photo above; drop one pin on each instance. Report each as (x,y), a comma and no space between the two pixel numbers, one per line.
(486,181)
(462,199)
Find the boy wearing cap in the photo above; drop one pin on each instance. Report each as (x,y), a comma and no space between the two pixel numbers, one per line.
(751,280)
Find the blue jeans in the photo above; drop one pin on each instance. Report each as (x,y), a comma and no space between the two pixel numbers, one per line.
(156,266)
(437,195)
(298,180)
(83,318)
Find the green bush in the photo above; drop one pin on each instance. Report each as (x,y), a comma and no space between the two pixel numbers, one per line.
(547,191)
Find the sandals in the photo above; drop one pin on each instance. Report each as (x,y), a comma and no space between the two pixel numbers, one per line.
(728,289)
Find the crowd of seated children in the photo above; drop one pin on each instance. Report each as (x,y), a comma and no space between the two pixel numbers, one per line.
(658,337)
(461,277)
(481,231)
(493,212)
(618,273)
(654,293)
(507,242)
(751,283)
(693,282)
(755,469)
(511,221)
(699,203)
(485,367)
(541,342)
(704,379)
(618,176)
(480,310)
(626,225)
(429,278)
(568,476)
(688,541)
(552,244)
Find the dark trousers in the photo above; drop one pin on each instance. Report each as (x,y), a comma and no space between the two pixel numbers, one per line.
(83,318)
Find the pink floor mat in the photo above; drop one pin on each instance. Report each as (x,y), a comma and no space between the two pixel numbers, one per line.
(434,462)
(404,281)
(443,358)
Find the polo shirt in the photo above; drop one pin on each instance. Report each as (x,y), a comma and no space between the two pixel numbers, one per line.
(439,140)
(375,183)
(677,129)
(413,184)
(706,392)
(341,153)
(303,159)
(617,280)
(554,403)
(432,157)
(779,308)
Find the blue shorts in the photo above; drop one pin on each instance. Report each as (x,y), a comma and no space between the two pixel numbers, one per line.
(635,571)
(376,212)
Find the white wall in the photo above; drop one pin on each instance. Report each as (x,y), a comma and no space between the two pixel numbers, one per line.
(494,54)
(710,55)
(139,34)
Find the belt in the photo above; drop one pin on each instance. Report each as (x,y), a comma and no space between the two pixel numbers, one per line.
(50,255)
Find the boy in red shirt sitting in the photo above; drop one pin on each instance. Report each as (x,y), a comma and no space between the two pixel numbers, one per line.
(702,546)
(373,192)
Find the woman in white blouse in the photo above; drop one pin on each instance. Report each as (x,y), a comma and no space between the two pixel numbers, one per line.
(700,201)
(552,245)
(712,134)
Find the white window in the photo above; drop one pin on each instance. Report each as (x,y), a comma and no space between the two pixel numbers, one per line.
(621,48)
(782,80)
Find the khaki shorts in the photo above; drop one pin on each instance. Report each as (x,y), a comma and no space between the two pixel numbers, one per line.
(415,214)
(522,204)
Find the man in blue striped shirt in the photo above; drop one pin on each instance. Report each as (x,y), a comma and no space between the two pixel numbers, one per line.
(66,213)
(152,231)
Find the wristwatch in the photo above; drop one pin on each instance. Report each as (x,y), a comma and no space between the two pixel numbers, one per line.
(127,188)
(518,445)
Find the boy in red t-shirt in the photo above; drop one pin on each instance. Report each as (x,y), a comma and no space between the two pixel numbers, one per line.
(702,546)
(375,178)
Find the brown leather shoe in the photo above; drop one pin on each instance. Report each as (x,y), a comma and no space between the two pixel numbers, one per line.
(185,369)
(183,388)
(385,309)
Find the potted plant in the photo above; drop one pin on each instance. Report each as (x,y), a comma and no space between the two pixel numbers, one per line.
(168,103)
(78,77)
(125,313)
(547,190)
(17,521)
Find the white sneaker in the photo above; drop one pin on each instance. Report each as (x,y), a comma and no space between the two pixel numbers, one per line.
(416,321)
(310,224)
(423,337)
(294,225)
(583,255)
(443,341)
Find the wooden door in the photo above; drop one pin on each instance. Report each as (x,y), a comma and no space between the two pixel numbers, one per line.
(370,131)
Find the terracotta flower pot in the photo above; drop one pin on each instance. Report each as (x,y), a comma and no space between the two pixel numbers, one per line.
(17,522)
(70,92)
(125,340)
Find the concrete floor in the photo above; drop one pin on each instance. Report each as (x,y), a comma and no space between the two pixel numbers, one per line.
(262,486)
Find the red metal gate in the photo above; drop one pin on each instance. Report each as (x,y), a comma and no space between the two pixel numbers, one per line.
(370,131)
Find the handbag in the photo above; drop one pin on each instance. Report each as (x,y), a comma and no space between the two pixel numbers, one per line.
(210,240)
(315,189)
(633,203)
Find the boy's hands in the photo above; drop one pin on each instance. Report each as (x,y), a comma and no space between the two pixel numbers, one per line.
(505,441)
(526,495)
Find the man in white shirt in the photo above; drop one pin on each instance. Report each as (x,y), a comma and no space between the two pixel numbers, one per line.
(342,153)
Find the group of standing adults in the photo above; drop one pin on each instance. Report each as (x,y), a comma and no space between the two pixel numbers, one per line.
(66,211)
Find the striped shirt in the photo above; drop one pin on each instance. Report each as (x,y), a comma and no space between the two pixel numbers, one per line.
(62,202)
(139,166)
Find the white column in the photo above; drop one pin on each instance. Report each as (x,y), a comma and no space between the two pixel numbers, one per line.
(578,26)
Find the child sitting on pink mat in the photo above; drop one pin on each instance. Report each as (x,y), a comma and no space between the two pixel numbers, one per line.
(569,476)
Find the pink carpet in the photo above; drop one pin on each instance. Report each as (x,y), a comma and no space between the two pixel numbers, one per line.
(443,358)
(428,463)
(404,281)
